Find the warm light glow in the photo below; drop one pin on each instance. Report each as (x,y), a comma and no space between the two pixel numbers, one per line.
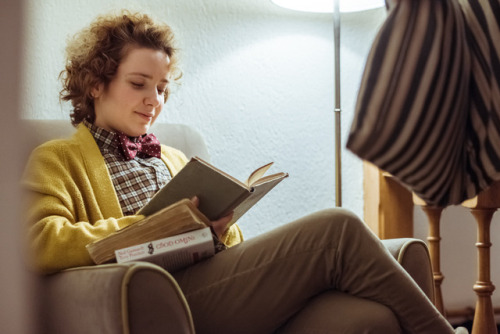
(326,6)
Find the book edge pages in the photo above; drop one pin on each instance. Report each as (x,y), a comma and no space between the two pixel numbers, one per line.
(164,240)
(257,174)
(270,178)
(100,250)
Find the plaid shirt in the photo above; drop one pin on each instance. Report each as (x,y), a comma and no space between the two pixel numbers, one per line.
(136,180)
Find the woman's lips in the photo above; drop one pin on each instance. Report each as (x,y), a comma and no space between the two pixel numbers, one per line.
(147,117)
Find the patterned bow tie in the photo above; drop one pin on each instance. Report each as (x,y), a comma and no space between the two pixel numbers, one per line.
(147,145)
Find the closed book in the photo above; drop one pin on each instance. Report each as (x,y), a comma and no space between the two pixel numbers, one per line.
(172,253)
(180,217)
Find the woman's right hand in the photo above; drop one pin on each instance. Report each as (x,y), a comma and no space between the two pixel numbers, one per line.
(220,225)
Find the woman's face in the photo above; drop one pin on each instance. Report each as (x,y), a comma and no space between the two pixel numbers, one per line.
(134,98)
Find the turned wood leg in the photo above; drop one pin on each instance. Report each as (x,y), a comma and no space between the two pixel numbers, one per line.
(484,320)
(434,216)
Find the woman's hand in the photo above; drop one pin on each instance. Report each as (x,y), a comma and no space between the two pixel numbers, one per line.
(219,226)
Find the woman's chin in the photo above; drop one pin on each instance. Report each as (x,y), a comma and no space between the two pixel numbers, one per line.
(137,131)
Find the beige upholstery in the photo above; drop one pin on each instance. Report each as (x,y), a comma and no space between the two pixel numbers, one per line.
(139,297)
(413,255)
(118,298)
(179,136)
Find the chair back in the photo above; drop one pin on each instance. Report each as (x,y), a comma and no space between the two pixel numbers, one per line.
(179,136)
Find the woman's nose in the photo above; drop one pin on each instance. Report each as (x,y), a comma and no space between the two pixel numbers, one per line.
(153,98)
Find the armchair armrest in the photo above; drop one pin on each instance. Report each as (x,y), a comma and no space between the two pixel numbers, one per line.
(135,297)
(413,255)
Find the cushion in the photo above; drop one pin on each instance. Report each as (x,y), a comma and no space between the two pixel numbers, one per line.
(421,113)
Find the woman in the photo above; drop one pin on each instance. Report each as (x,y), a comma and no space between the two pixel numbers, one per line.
(117,78)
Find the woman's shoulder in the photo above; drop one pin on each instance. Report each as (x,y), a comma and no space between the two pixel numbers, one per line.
(171,151)
(68,144)
(60,149)
(174,158)
(56,147)
(49,156)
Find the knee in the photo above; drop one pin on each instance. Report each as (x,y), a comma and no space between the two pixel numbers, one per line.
(336,217)
(330,225)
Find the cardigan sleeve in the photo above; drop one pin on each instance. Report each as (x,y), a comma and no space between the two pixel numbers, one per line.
(62,213)
(232,236)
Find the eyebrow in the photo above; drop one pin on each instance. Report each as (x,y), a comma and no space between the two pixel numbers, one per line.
(147,76)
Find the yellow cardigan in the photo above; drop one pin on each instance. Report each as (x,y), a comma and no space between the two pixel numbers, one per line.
(71,201)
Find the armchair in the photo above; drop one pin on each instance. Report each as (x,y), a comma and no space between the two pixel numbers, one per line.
(139,297)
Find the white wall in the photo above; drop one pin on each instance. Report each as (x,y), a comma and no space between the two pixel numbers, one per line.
(258,84)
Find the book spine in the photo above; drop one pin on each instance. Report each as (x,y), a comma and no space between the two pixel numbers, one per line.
(238,200)
(164,245)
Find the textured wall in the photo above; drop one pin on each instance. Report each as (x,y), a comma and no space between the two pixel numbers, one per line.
(258,84)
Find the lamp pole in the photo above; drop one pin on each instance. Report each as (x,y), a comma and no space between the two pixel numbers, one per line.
(325,6)
(337,110)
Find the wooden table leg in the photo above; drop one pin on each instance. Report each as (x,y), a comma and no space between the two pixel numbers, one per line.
(484,319)
(434,238)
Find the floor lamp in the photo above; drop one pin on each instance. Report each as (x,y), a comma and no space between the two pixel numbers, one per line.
(335,7)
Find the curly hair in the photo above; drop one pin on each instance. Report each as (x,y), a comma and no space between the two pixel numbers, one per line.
(93,56)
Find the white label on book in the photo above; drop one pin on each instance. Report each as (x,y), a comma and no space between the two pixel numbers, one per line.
(184,241)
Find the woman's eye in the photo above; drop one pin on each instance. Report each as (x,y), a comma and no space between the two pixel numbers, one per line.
(162,90)
(137,85)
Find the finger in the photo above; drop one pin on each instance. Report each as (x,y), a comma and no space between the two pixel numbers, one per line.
(195,200)
(220,225)
(229,217)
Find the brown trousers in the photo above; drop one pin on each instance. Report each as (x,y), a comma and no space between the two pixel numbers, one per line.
(289,281)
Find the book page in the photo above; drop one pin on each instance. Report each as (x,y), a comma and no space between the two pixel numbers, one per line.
(259,190)
(258,174)
(269,178)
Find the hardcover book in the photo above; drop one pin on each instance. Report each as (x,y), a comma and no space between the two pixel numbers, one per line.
(172,253)
(175,219)
(219,192)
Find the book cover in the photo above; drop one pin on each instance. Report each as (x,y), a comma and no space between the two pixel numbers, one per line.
(175,219)
(172,253)
(219,193)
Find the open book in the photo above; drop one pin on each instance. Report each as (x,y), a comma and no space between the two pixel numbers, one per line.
(219,192)
(175,219)
(170,212)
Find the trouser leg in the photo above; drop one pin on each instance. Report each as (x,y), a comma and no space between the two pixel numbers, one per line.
(258,285)
(338,312)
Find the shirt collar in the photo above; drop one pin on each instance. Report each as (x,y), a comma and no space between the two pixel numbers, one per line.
(105,139)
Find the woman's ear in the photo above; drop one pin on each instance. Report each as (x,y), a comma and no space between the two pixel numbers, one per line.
(97,90)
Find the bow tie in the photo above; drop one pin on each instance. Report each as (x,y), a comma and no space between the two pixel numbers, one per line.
(147,145)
